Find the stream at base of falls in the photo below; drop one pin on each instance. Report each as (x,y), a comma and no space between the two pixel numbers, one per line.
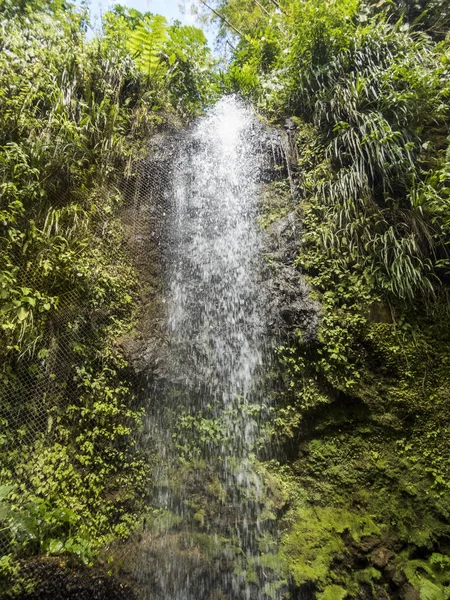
(208,536)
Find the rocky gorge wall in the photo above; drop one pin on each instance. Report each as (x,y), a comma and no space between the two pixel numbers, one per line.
(357,485)
(354,457)
(361,414)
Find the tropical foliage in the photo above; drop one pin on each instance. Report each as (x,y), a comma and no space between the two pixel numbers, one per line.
(361,410)
(360,413)
(376,87)
(76,115)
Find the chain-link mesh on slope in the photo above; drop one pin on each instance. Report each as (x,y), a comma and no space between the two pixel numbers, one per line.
(33,393)
(32,390)
(38,386)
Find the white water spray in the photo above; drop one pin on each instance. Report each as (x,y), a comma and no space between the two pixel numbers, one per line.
(205,422)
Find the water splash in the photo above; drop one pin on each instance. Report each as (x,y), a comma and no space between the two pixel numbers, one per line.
(205,421)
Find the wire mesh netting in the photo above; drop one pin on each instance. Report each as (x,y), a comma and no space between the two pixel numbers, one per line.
(38,387)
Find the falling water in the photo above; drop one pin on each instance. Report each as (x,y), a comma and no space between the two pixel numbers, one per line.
(205,421)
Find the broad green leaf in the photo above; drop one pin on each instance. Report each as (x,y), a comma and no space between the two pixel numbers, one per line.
(5,490)
(22,313)
(147,41)
(55,547)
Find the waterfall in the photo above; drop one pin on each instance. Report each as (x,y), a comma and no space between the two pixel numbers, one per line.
(204,421)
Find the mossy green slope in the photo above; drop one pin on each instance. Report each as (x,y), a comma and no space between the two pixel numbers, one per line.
(76,118)
(363,414)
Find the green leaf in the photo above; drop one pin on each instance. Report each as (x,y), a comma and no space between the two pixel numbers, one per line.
(29,300)
(55,547)
(22,313)
(5,490)
(146,43)
(26,524)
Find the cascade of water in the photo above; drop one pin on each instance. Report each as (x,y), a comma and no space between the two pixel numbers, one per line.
(205,422)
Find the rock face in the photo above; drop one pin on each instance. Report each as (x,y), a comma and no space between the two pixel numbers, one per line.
(380,557)
(146,217)
(291,305)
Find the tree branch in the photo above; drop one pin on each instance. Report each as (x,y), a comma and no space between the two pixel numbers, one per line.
(262,7)
(278,6)
(223,18)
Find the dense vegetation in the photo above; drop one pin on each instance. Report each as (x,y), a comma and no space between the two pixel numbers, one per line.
(76,115)
(361,413)
(363,410)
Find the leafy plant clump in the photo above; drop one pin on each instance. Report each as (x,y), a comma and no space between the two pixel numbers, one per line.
(77,113)
(361,410)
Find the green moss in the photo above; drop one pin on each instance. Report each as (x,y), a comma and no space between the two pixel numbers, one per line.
(431,578)
(377,453)
(276,203)
(13,583)
(363,414)
(315,539)
(272,589)
(332,592)
(210,545)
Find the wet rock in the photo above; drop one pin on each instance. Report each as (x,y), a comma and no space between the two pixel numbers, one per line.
(409,593)
(369,543)
(380,557)
(380,313)
(305,592)
(367,593)
(395,575)
(290,125)
(49,578)
(217,595)
(146,356)
(291,305)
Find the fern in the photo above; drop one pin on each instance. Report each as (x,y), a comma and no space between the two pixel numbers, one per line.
(146,44)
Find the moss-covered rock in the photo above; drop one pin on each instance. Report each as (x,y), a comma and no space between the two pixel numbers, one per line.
(362,411)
